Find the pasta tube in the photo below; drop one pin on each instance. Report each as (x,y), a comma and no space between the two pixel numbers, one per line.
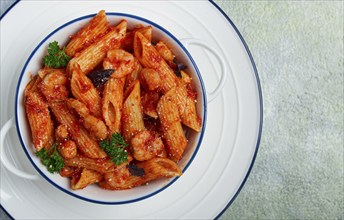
(94,29)
(132,117)
(172,129)
(134,75)
(150,58)
(186,103)
(100,165)
(85,178)
(93,55)
(76,130)
(38,115)
(154,169)
(118,88)
(83,90)
(128,41)
(159,167)
(149,101)
(112,103)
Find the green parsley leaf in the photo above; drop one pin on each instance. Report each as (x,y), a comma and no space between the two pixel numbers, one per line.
(53,161)
(115,148)
(56,57)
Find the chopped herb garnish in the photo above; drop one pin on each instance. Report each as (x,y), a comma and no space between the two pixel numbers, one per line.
(115,148)
(56,57)
(51,158)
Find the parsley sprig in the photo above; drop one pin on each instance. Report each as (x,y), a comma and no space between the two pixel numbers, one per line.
(51,158)
(56,57)
(115,148)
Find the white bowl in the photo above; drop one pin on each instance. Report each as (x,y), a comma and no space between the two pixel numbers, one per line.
(94,193)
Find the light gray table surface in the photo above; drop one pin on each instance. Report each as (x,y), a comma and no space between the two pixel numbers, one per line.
(298,50)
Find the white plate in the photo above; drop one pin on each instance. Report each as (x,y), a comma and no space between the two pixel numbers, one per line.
(234,121)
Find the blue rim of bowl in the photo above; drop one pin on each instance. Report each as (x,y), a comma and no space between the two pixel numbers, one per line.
(122,16)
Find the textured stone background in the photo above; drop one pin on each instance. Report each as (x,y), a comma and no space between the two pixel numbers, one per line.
(298,49)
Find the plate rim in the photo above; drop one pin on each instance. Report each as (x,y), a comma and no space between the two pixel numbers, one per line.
(260,96)
(260,100)
(1,17)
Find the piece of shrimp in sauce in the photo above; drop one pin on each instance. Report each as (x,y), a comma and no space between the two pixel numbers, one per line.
(93,124)
(121,61)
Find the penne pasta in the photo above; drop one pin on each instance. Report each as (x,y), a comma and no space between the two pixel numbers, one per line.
(38,116)
(132,117)
(93,55)
(85,178)
(153,169)
(172,129)
(100,165)
(186,102)
(76,130)
(83,90)
(128,41)
(159,167)
(186,79)
(115,113)
(93,30)
(149,57)
(146,32)
(133,76)
(149,102)
(112,104)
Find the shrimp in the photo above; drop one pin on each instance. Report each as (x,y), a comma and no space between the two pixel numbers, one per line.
(150,79)
(121,61)
(54,86)
(165,51)
(67,149)
(120,177)
(83,89)
(147,145)
(66,146)
(117,179)
(93,124)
